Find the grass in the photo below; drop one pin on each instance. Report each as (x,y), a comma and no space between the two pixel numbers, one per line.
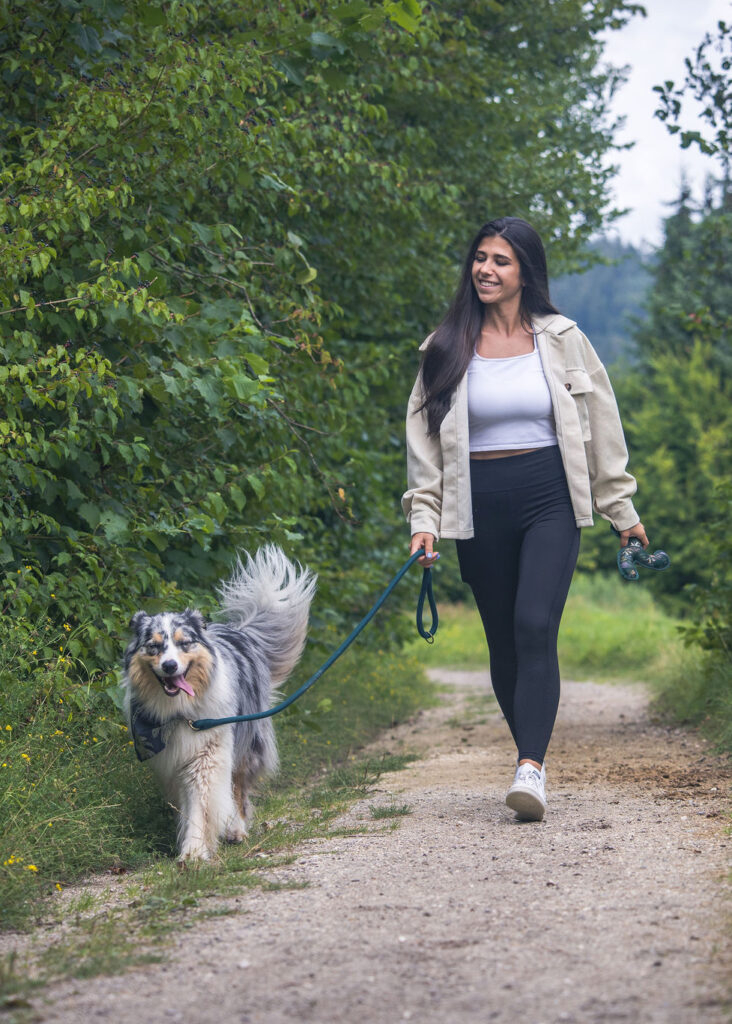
(389,811)
(613,630)
(697,691)
(107,936)
(610,630)
(75,801)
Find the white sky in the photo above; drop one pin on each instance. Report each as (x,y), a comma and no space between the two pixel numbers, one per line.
(650,173)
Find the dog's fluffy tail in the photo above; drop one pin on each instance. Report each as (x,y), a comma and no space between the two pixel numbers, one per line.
(269,597)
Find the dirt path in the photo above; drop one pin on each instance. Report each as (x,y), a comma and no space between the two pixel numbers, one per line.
(612,909)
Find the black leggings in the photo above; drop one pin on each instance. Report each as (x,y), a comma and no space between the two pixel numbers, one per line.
(519,566)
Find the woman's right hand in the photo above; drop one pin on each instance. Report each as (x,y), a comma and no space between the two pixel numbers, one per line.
(426,541)
(635,531)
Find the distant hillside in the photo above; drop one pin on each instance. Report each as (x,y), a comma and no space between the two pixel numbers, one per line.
(605,298)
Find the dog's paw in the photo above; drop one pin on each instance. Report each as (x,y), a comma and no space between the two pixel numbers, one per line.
(235,835)
(192,855)
(235,830)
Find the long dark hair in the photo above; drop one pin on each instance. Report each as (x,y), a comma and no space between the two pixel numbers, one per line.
(453,343)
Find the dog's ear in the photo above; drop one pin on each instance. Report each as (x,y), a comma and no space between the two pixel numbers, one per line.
(196,620)
(136,621)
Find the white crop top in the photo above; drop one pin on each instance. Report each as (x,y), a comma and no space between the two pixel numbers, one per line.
(509,403)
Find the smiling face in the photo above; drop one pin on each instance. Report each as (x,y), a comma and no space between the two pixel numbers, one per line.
(168,655)
(496,271)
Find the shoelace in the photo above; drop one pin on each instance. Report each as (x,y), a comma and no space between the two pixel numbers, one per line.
(530,776)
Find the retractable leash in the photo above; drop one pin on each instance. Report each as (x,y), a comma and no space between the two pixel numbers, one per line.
(633,554)
(425,592)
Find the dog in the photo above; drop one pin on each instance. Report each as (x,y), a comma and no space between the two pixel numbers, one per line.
(179,668)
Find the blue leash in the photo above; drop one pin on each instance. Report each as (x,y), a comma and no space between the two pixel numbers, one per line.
(202,724)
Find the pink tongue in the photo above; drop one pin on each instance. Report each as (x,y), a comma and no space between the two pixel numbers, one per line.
(182,683)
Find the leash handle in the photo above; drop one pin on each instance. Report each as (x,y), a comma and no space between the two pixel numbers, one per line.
(201,724)
(426,591)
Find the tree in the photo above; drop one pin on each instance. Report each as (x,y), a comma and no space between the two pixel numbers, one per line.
(224,226)
(607,297)
(707,80)
(679,399)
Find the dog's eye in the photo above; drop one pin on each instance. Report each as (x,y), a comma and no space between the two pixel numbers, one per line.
(152,649)
(185,645)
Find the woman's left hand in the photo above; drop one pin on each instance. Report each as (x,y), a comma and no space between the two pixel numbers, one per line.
(635,531)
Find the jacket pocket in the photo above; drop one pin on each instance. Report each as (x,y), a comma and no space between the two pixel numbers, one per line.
(579,385)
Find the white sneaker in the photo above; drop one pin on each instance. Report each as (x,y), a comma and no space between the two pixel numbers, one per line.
(527,796)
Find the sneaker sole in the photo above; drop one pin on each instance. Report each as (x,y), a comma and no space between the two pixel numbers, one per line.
(526,804)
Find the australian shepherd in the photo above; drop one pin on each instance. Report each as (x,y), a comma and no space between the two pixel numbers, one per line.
(179,668)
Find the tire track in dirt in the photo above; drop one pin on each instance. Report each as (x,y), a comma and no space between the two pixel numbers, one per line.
(614,908)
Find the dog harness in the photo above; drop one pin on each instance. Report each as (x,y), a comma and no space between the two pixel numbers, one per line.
(147,732)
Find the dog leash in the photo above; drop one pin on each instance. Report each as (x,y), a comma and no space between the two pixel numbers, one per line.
(425,593)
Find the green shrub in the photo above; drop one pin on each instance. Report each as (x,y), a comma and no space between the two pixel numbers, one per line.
(201,344)
(697,690)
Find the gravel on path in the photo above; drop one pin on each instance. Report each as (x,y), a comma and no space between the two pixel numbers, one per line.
(614,908)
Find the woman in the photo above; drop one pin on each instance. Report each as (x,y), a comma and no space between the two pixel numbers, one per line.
(513,437)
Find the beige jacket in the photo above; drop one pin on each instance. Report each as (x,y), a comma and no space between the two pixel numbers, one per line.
(589,434)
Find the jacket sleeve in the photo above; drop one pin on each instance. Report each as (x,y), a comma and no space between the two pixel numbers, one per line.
(422,502)
(611,484)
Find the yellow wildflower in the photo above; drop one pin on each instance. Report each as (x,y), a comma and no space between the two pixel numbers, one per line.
(58,886)
(31,867)
(26,756)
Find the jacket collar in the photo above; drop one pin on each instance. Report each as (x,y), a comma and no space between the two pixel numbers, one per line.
(553,323)
(547,323)
(426,341)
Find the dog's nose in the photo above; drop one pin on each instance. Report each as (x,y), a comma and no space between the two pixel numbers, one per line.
(169,667)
